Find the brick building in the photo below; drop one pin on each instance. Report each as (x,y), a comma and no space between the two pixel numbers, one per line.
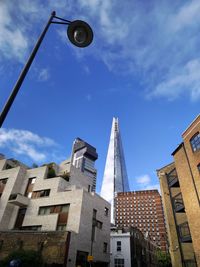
(142,209)
(180,187)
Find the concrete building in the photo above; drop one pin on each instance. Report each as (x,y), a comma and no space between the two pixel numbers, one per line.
(142,209)
(129,248)
(180,187)
(56,198)
(115,176)
(83,158)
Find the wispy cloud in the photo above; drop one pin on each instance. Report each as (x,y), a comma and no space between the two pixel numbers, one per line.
(144,182)
(155,42)
(186,80)
(43,75)
(22,142)
(19,22)
(89,97)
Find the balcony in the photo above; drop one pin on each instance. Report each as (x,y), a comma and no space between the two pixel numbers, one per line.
(18,200)
(190,263)
(172,179)
(184,232)
(178,203)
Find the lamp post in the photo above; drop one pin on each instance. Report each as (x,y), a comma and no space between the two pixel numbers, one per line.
(79,33)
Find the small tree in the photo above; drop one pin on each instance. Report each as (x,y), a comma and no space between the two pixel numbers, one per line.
(29,258)
(163,259)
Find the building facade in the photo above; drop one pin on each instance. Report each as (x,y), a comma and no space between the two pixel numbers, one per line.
(129,248)
(180,187)
(56,198)
(83,158)
(115,176)
(143,209)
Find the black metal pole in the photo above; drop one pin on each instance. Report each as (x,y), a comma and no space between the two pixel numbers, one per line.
(24,72)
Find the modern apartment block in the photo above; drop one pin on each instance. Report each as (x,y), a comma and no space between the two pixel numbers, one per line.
(55,198)
(142,209)
(83,158)
(115,177)
(180,187)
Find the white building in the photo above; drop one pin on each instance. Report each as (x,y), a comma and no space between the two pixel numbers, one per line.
(56,197)
(120,249)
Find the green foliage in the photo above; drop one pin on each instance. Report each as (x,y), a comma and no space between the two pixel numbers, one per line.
(51,172)
(29,258)
(163,259)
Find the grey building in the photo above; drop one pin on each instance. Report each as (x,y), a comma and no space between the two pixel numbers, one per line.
(56,198)
(83,158)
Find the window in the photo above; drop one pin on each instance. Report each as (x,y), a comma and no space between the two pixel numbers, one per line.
(106,211)
(3,181)
(53,209)
(105,247)
(2,185)
(41,193)
(195,142)
(119,246)
(198,167)
(119,262)
(32,228)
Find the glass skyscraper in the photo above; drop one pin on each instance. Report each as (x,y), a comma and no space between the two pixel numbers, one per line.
(115,176)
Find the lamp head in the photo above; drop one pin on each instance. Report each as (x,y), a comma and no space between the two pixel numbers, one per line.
(80,33)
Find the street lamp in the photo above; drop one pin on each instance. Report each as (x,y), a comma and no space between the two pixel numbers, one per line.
(79,33)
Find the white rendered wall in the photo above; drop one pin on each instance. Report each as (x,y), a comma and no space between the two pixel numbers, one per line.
(125,252)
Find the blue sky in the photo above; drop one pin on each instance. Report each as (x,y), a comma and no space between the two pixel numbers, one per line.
(143,67)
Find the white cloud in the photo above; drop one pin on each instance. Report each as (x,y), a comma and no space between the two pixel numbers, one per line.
(13,43)
(145,179)
(186,80)
(144,182)
(22,142)
(152,41)
(188,15)
(149,40)
(43,75)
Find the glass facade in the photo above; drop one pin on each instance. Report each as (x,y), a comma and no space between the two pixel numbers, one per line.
(115,176)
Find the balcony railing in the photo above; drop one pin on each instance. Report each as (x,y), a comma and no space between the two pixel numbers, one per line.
(172,179)
(18,200)
(185,232)
(178,203)
(190,263)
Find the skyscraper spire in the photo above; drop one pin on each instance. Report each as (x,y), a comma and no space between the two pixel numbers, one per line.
(115,176)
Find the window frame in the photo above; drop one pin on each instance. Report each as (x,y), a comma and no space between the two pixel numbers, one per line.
(195,144)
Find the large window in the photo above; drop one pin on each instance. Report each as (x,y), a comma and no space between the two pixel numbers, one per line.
(119,262)
(53,209)
(195,142)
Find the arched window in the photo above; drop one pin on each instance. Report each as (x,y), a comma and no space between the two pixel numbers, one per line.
(195,142)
